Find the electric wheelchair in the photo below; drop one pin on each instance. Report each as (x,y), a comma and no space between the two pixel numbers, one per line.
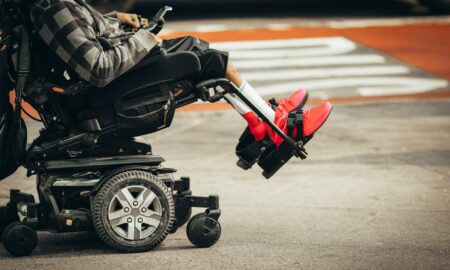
(91,174)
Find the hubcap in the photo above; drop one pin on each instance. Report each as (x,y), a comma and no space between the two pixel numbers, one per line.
(135,212)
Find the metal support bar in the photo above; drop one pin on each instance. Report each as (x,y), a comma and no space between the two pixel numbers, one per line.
(230,87)
(181,185)
(211,202)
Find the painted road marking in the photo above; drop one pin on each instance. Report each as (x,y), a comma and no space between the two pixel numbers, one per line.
(327,67)
(308,62)
(270,75)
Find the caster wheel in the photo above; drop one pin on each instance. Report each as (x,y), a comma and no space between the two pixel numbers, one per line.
(19,239)
(203,231)
(133,211)
(8,215)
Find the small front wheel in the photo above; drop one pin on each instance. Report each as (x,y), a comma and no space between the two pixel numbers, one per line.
(203,231)
(8,215)
(19,239)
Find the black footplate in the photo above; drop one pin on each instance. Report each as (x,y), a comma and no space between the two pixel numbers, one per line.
(268,156)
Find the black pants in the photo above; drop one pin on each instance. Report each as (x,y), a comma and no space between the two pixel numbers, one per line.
(213,62)
(213,65)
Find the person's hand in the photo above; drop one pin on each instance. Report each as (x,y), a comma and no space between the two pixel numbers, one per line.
(132,20)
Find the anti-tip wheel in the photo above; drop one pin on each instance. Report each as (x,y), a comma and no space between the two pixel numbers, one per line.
(19,239)
(203,231)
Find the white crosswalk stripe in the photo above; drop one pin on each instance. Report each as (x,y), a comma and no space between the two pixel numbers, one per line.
(327,67)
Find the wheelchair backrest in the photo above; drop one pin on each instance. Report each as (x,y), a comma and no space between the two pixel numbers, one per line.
(13,73)
(44,65)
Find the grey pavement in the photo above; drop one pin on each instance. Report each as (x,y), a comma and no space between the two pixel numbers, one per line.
(374,194)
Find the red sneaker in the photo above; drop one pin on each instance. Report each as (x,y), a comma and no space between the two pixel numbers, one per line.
(313,119)
(259,129)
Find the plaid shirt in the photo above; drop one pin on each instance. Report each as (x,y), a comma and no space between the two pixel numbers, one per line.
(93,45)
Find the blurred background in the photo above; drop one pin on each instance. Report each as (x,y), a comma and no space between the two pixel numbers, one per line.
(353,45)
(375,190)
(323,6)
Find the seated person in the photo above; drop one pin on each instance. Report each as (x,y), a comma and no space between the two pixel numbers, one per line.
(98,49)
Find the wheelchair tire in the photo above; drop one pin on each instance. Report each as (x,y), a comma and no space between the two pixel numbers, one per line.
(8,215)
(133,211)
(203,231)
(19,239)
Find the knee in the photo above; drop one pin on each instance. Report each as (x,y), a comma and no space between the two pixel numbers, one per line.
(231,68)
(194,39)
(191,38)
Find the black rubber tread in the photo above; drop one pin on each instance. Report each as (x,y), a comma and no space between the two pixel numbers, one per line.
(188,231)
(198,215)
(129,178)
(10,240)
(8,215)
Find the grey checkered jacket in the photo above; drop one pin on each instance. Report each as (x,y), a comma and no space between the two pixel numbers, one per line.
(92,44)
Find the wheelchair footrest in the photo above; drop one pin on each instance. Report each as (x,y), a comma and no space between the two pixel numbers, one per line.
(274,158)
(268,156)
(248,150)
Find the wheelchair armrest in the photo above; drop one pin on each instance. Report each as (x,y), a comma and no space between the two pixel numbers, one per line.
(204,93)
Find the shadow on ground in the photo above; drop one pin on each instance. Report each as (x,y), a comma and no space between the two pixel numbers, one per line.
(81,243)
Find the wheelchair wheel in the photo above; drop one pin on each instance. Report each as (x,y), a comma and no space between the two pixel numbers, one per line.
(133,211)
(8,215)
(203,231)
(19,239)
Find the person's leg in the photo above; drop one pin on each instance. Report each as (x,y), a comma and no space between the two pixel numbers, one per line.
(233,75)
(244,87)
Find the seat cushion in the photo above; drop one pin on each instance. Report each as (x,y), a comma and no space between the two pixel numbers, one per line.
(149,72)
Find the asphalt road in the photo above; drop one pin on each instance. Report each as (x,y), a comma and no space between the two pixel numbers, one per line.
(374,194)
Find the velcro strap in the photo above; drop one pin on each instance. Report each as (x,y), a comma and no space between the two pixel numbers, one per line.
(273,102)
(299,123)
(295,119)
(290,123)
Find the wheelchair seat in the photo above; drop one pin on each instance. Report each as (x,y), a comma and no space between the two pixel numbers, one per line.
(159,69)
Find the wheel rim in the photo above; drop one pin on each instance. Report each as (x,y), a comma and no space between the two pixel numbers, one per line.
(135,212)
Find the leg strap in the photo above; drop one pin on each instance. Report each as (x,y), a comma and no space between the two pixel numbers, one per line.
(295,119)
